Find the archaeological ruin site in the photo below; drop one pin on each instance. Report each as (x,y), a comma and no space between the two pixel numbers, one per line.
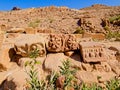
(57,48)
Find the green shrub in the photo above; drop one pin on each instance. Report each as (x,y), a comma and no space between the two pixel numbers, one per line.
(113,84)
(33,82)
(52,81)
(34,24)
(107,28)
(114,18)
(43,85)
(111,35)
(91,87)
(79,30)
(37,21)
(65,70)
(70,79)
(34,54)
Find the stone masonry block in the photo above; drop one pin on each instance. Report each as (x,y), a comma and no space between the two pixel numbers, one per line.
(92,52)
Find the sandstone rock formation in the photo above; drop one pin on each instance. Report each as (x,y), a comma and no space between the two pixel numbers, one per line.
(65,20)
(87,77)
(113,50)
(6,57)
(90,26)
(54,58)
(16,8)
(104,76)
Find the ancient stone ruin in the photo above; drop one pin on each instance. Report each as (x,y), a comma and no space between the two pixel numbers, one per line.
(96,59)
(61,43)
(92,58)
(92,52)
(24,44)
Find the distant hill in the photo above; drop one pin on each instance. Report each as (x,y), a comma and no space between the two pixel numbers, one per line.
(65,20)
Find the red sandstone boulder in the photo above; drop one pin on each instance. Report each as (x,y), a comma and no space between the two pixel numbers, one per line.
(115,66)
(15,81)
(86,77)
(53,61)
(6,56)
(60,81)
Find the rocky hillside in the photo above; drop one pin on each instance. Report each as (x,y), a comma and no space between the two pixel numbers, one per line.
(33,56)
(62,19)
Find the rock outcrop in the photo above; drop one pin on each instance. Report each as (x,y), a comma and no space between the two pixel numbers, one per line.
(65,20)
(54,58)
(16,8)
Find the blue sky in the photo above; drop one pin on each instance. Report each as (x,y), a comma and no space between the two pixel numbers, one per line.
(77,4)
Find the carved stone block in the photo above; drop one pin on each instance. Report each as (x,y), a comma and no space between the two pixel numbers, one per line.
(55,43)
(92,52)
(61,43)
(26,43)
(70,42)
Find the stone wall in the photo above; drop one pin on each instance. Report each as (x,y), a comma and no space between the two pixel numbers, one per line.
(53,43)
